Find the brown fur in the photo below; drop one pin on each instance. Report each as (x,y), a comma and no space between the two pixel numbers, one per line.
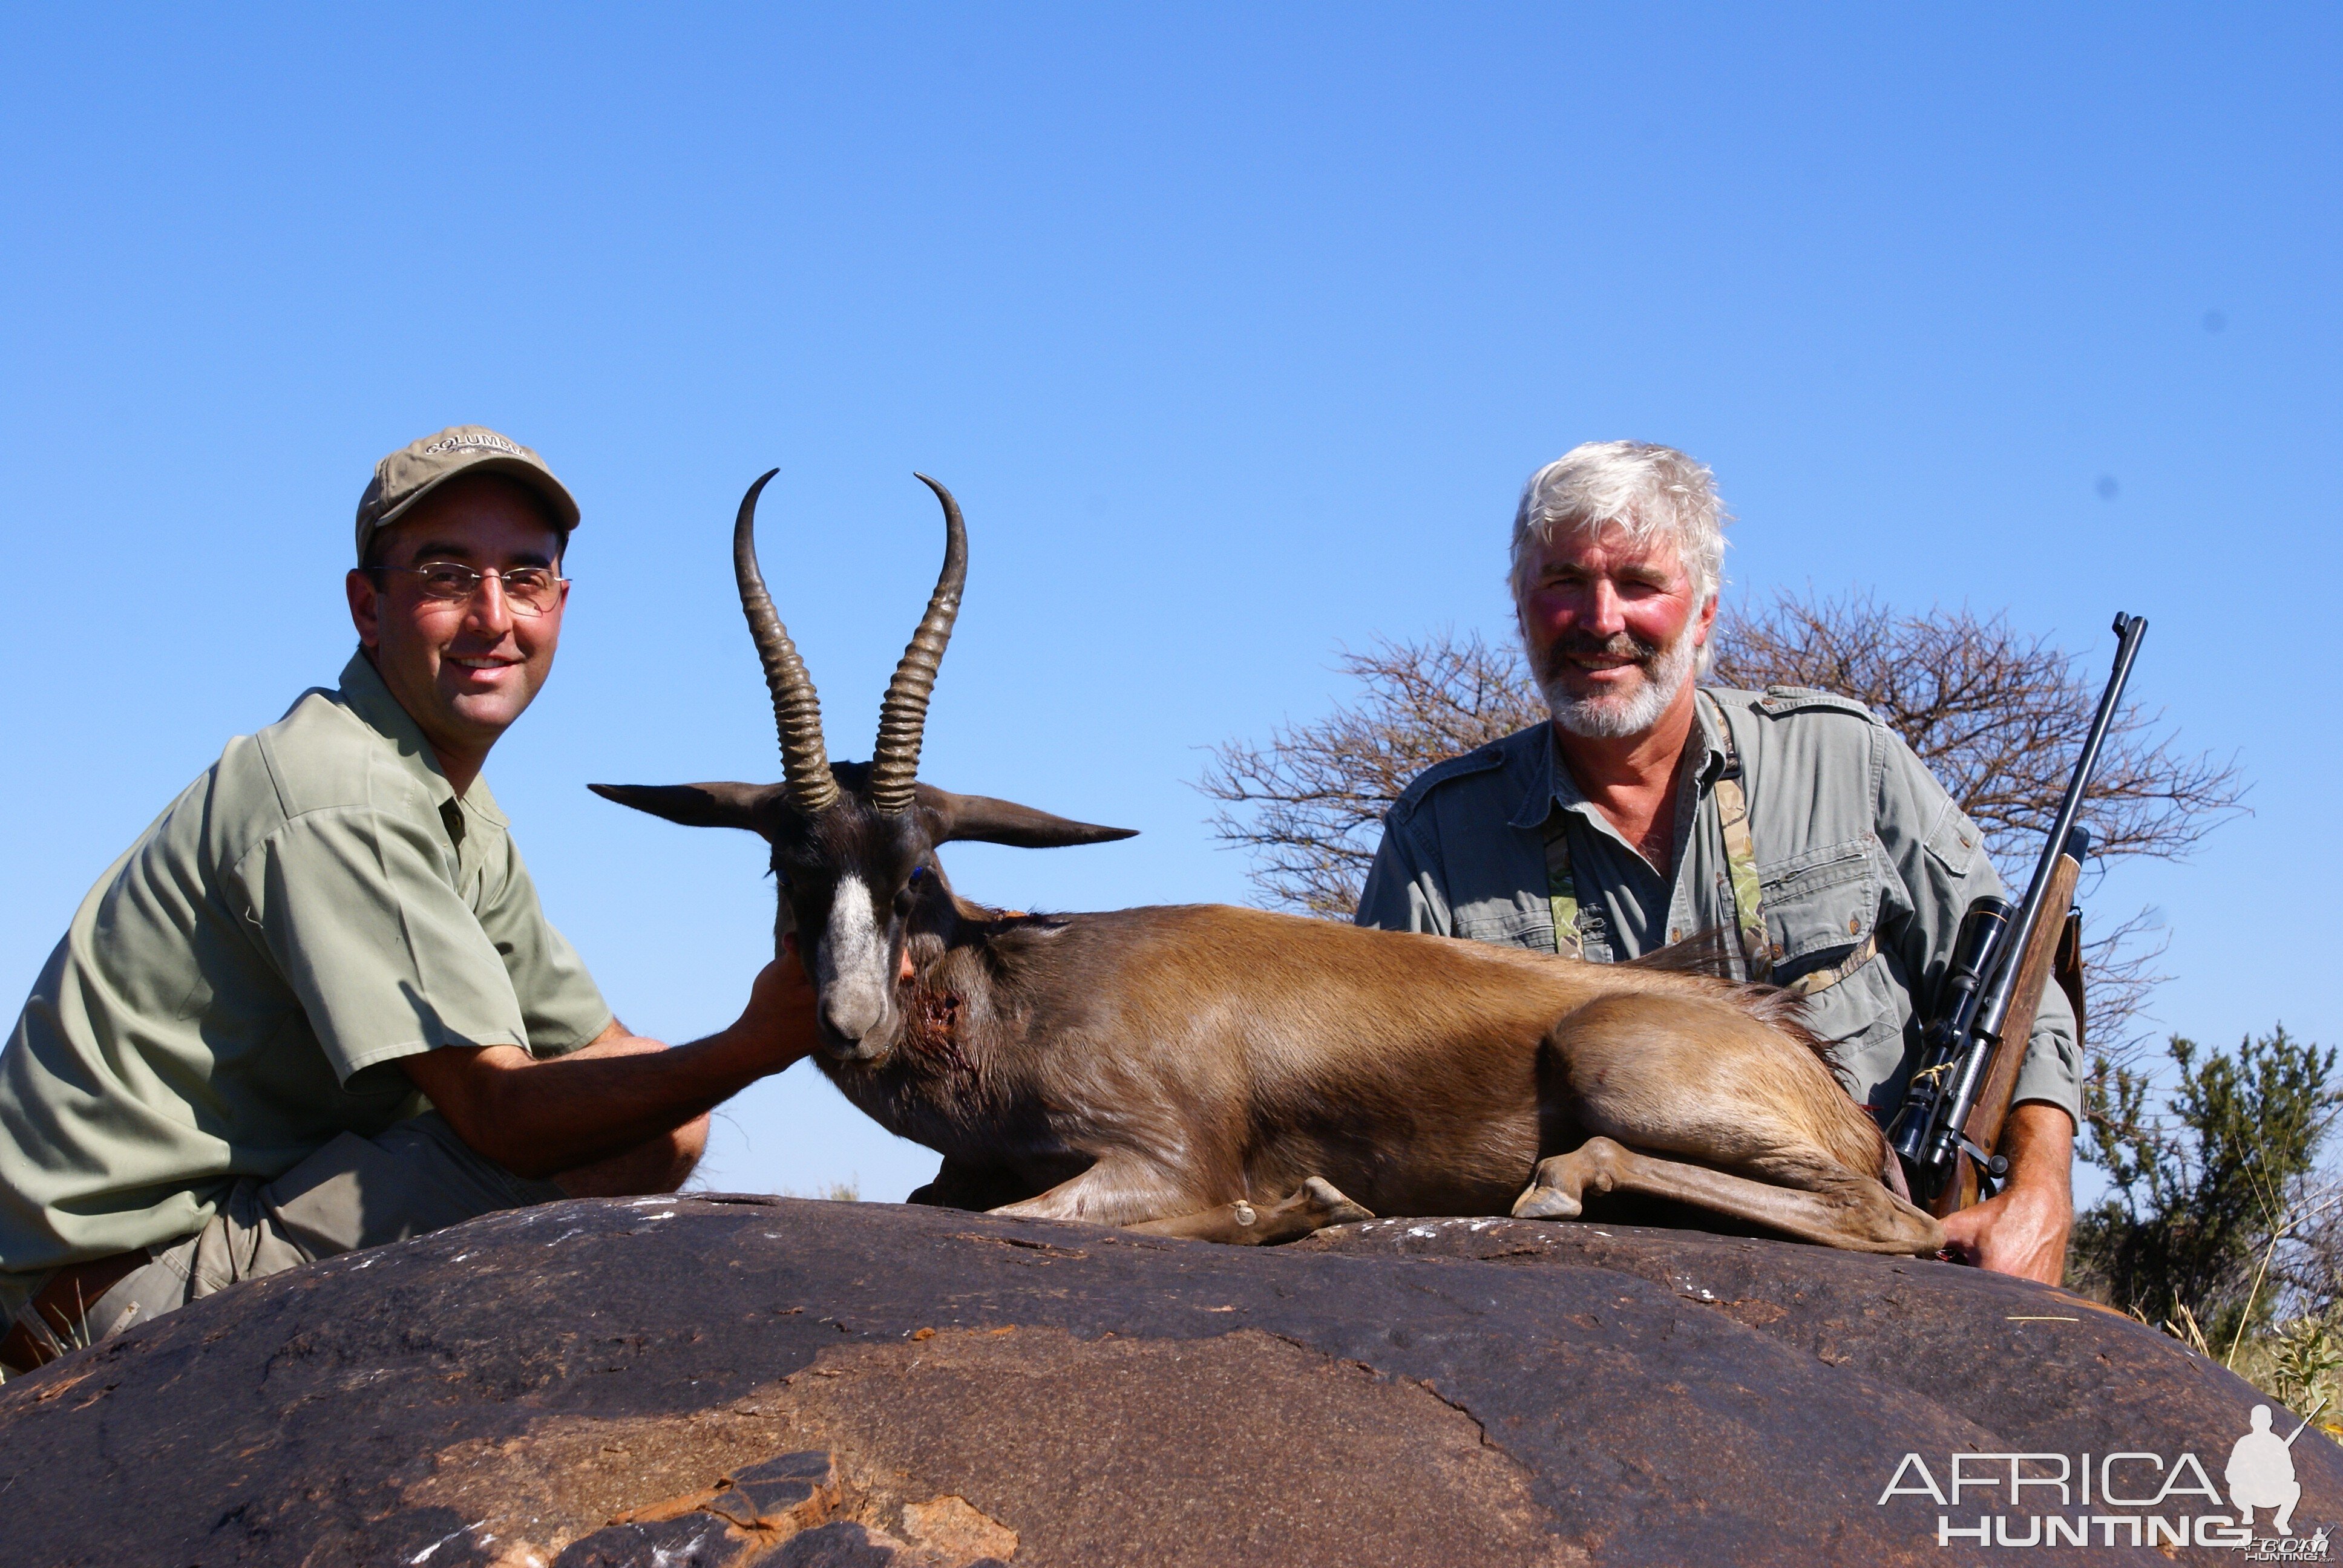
(1219,1067)
(1153,1063)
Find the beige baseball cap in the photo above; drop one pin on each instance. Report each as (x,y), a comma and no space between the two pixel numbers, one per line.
(419,468)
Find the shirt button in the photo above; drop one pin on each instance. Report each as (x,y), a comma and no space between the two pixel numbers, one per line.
(1675,936)
(1853,924)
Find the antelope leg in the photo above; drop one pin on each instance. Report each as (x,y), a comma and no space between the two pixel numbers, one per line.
(1828,1205)
(1138,1197)
(1115,1192)
(1313,1206)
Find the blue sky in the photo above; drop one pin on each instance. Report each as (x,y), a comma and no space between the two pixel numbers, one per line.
(1234,329)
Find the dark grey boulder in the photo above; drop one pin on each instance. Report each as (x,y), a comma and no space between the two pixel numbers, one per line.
(724,1382)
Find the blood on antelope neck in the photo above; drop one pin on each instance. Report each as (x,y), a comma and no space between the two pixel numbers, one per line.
(931,1024)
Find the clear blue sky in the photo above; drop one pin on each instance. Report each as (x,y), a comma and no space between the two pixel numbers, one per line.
(1235,330)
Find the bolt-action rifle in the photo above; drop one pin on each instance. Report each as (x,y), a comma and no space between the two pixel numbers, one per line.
(1947,1130)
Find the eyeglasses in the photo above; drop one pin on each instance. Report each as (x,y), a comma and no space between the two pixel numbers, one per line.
(530,590)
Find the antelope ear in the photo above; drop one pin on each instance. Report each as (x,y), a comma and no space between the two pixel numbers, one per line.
(748,806)
(979,819)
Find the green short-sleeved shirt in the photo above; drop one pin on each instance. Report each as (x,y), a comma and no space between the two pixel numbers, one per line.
(1854,840)
(229,996)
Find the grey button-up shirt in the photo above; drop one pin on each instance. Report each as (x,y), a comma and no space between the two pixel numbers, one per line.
(1854,839)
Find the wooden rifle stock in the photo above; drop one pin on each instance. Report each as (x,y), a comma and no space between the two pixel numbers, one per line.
(2052,942)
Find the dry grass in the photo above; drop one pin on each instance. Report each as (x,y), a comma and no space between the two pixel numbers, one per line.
(847,1191)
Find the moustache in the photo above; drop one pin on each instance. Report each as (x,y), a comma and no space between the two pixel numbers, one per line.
(1579,645)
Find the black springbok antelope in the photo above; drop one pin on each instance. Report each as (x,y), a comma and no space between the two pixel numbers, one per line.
(1225,1074)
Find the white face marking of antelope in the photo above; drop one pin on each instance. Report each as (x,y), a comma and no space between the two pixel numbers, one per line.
(850,967)
(853,844)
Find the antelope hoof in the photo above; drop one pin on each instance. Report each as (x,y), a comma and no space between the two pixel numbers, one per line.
(1547,1203)
(1332,1207)
(1553,1192)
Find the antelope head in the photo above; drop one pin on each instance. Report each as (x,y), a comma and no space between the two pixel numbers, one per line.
(854,844)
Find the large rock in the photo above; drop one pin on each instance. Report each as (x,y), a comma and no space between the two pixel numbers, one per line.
(720,1380)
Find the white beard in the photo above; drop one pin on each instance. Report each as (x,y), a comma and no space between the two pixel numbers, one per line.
(1616,716)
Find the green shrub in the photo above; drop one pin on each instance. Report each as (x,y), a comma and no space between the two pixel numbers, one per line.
(2210,1192)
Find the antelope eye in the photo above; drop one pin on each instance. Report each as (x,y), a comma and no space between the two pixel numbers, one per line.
(918,873)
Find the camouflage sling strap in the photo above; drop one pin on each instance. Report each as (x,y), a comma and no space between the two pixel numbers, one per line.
(1740,852)
(1741,861)
(1741,867)
(1740,855)
(1561,890)
(1822,979)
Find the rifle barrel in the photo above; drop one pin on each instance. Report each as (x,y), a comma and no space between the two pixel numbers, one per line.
(1994,1007)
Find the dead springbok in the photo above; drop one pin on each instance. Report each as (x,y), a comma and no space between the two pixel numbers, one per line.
(1167,1068)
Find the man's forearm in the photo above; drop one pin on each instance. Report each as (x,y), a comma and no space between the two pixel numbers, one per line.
(539,1117)
(544,1117)
(2040,1138)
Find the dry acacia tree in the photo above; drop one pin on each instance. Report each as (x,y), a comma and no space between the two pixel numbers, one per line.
(1998,715)
(1310,804)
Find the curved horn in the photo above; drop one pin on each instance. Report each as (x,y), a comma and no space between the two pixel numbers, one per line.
(807,783)
(903,716)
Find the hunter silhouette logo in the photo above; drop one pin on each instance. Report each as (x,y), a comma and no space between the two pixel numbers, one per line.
(2125,1499)
(2261,1471)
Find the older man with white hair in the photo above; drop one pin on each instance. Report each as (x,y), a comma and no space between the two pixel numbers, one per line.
(1652,808)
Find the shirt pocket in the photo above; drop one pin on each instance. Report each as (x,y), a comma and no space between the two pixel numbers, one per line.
(1860,1022)
(1505,925)
(1953,842)
(1819,904)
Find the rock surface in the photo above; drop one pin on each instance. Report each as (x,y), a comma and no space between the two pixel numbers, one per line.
(728,1382)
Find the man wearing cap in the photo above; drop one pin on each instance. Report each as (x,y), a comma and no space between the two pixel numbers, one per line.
(316,1006)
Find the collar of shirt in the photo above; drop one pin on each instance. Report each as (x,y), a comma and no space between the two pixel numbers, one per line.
(1629,906)
(364,694)
(1550,785)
